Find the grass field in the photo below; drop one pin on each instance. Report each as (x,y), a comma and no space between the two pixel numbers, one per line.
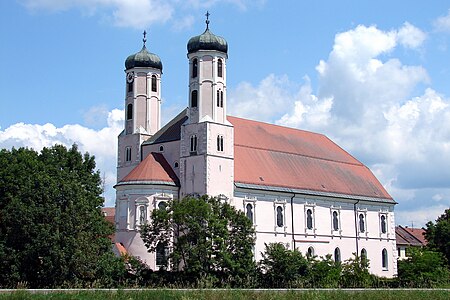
(234,294)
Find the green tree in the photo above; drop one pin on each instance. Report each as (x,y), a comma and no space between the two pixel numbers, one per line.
(355,273)
(52,232)
(423,268)
(281,268)
(324,272)
(207,237)
(438,234)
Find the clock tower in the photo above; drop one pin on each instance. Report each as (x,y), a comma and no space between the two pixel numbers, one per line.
(143,72)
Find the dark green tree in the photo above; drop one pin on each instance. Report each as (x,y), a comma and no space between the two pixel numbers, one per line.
(52,232)
(423,269)
(282,268)
(355,273)
(438,234)
(207,237)
(324,272)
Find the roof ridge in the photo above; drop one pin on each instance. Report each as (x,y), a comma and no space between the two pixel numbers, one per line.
(304,155)
(410,234)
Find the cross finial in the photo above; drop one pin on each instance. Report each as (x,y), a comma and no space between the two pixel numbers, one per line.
(207,19)
(145,37)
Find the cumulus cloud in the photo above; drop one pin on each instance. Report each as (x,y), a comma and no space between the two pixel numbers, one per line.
(365,103)
(102,143)
(443,23)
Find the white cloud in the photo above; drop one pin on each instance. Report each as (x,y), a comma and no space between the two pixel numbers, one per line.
(137,14)
(410,36)
(101,143)
(443,23)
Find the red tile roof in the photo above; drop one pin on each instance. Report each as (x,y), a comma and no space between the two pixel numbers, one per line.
(154,169)
(276,156)
(410,236)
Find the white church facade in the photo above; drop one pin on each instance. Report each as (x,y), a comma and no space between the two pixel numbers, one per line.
(297,187)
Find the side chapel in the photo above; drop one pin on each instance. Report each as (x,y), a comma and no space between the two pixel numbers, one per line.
(297,187)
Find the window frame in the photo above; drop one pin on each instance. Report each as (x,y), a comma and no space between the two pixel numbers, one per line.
(129,115)
(220,143)
(194,99)
(310,207)
(154,83)
(220,68)
(128,154)
(193,144)
(194,73)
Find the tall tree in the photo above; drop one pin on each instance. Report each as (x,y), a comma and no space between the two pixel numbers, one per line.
(52,232)
(438,234)
(206,235)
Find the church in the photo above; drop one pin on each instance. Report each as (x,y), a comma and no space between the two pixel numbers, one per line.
(297,187)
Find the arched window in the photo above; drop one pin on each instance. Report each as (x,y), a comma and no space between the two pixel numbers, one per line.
(310,252)
(175,165)
(221,98)
(219,68)
(335,221)
(154,87)
(142,215)
(337,255)
(129,111)
(309,219)
(194,98)
(362,225)
(364,256)
(279,216)
(384,259)
(249,212)
(161,254)
(218,98)
(128,154)
(162,205)
(193,143)
(383,224)
(220,143)
(194,68)
(130,87)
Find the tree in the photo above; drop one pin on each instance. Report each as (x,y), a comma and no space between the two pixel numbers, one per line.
(438,234)
(355,272)
(324,272)
(207,237)
(281,268)
(423,268)
(52,232)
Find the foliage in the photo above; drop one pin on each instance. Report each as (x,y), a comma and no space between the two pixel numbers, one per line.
(52,232)
(438,234)
(423,268)
(208,237)
(324,272)
(281,267)
(355,273)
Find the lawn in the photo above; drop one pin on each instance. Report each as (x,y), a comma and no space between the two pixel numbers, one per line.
(396,294)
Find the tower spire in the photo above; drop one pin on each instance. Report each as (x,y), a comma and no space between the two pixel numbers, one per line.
(145,37)
(207,19)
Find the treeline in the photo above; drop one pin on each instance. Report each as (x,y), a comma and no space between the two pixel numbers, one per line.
(53,235)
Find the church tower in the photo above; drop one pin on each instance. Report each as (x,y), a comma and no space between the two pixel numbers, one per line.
(143,72)
(207,137)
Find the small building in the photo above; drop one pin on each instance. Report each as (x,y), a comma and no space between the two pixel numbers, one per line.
(408,237)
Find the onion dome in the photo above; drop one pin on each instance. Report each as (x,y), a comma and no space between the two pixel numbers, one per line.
(207,41)
(143,59)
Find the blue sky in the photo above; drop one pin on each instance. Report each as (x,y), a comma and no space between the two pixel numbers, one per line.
(371,75)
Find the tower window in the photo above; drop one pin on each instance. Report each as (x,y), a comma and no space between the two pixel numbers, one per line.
(279,216)
(383,224)
(309,219)
(335,221)
(129,87)
(129,111)
(249,212)
(220,143)
(219,68)
(194,68)
(194,98)
(193,147)
(362,225)
(175,165)
(154,88)
(161,148)
(384,259)
(128,154)
(221,98)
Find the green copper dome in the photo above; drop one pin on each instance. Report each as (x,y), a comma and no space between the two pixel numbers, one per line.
(143,59)
(207,41)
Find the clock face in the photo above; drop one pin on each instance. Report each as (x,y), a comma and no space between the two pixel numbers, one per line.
(130,77)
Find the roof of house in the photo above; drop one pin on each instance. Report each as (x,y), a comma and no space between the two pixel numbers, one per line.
(154,169)
(271,157)
(410,236)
